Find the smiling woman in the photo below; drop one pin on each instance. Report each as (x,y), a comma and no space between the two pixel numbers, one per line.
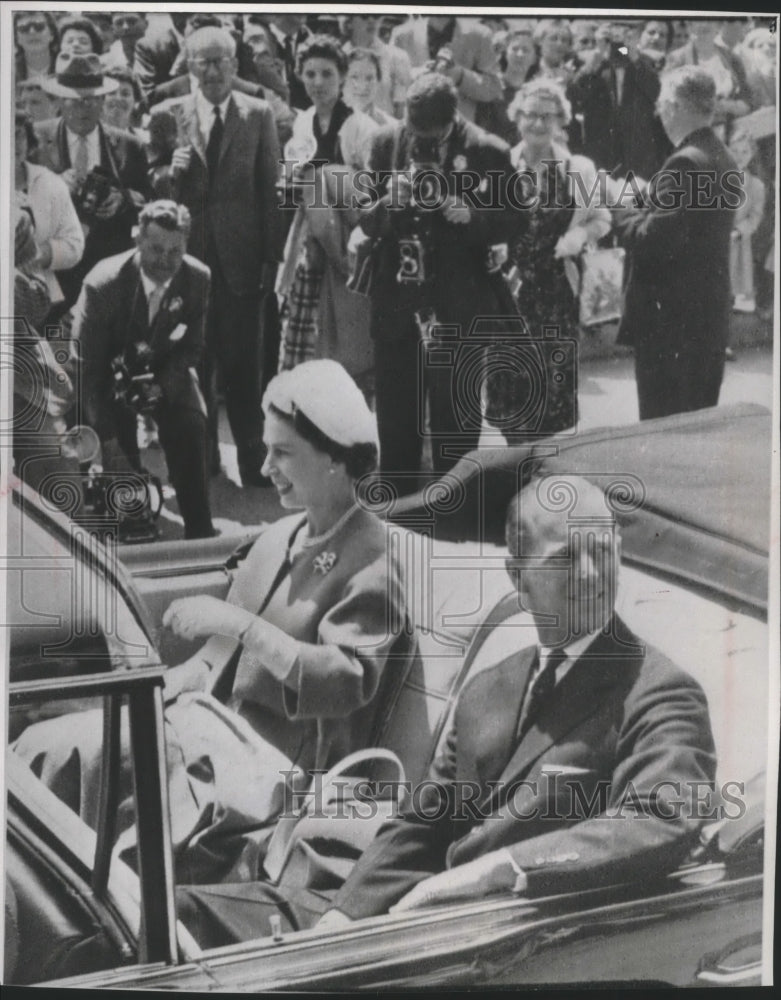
(306,650)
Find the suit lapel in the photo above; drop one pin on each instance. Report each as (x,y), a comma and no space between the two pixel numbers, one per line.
(232,117)
(190,126)
(61,147)
(110,154)
(138,308)
(498,740)
(160,330)
(580,694)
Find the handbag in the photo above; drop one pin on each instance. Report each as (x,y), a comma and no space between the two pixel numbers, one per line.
(601,285)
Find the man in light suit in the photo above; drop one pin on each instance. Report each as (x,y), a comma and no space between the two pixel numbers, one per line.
(78,146)
(462,50)
(678,298)
(225,170)
(157,297)
(575,763)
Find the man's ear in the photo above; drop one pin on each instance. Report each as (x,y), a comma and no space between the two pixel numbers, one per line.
(135,232)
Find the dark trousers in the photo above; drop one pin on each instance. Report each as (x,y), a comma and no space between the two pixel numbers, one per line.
(233,356)
(217,915)
(406,378)
(670,382)
(183,438)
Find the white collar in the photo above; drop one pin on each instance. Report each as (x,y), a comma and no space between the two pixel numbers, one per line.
(573,652)
(149,286)
(280,35)
(205,111)
(93,138)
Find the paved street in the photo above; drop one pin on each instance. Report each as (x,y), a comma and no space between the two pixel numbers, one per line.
(607,398)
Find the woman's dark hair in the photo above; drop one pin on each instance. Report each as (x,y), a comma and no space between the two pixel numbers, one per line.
(25,15)
(22,119)
(80,24)
(669,27)
(126,75)
(358,459)
(322,47)
(365,55)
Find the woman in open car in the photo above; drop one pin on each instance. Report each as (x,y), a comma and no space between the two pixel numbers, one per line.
(303,654)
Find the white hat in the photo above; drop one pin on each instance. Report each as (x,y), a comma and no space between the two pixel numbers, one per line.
(326,394)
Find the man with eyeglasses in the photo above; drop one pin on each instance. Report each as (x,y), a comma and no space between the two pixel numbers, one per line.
(104,167)
(225,171)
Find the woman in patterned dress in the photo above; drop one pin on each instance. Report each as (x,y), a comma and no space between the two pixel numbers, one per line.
(536,393)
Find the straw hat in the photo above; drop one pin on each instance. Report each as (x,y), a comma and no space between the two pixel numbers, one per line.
(79,76)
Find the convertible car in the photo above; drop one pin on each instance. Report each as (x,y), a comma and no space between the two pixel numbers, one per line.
(692,495)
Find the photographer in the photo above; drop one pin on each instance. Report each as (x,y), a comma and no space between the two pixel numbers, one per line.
(458,49)
(616,100)
(105,168)
(140,321)
(430,269)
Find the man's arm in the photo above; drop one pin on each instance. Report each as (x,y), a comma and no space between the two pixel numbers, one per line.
(659,233)
(267,159)
(93,330)
(481,81)
(656,803)
(407,849)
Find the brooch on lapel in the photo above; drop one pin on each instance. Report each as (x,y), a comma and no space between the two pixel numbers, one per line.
(324,563)
(175,305)
(459,162)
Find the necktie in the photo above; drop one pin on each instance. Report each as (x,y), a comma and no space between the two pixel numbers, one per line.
(155,298)
(213,145)
(290,58)
(81,159)
(538,691)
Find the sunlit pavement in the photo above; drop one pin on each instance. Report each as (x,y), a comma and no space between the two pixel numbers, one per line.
(607,397)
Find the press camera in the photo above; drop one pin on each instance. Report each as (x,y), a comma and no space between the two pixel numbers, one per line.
(133,380)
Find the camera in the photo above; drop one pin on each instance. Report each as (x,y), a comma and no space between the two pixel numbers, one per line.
(133,380)
(501,370)
(124,504)
(96,188)
(416,255)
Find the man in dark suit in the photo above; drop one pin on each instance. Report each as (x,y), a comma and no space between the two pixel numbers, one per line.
(286,32)
(152,303)
(617,101)
(225,170)
(577,762)
(451,281)
(624,730)
(156,52)
(678,299)
(80,148)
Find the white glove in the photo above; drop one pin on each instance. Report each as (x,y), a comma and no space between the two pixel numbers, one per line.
(571,243)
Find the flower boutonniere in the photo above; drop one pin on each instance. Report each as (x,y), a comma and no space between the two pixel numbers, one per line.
(459,162)
(175,306)
(324,563)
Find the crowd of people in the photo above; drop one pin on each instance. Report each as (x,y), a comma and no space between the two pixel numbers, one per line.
(283,158)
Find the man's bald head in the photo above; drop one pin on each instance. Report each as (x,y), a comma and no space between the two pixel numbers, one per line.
(553,502)
(564,554)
